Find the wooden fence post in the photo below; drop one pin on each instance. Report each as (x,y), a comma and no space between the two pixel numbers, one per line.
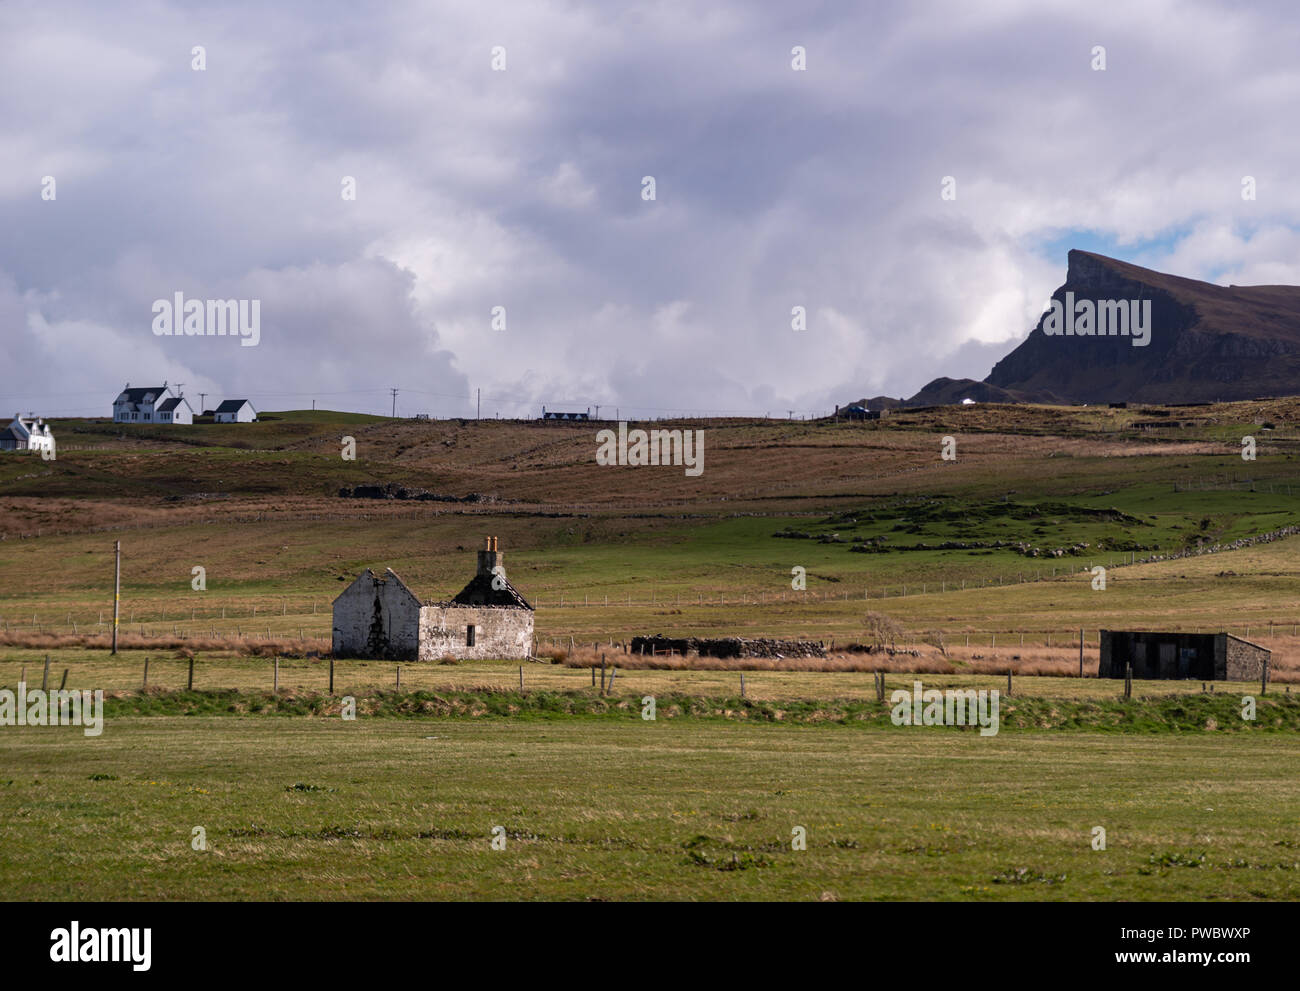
(331,676)
(399,677)
(275,682)
(64,683)
(742,684)
(146,673)
(45,675)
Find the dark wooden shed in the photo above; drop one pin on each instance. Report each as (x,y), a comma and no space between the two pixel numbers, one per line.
(1199,656)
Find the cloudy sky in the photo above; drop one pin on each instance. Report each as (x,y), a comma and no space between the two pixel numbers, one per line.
(523,188)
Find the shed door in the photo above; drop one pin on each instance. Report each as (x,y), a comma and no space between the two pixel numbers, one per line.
(1168,660)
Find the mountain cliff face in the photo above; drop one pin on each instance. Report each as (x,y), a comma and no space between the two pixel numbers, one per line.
(1206,342)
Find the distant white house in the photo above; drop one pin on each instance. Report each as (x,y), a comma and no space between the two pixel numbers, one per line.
(174,410)
(235,411)
(26,434)
(151,404)
(968,401)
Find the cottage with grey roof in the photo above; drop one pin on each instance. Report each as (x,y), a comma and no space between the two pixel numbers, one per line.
(235,411)
(27,434)
(151,404)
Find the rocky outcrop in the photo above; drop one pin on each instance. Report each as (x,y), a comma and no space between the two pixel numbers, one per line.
(1208,343)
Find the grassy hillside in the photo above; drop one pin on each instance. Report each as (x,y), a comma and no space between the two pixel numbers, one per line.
(999,540)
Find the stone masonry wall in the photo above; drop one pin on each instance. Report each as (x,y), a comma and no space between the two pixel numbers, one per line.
(376,618)
(1245,661)
(501,632)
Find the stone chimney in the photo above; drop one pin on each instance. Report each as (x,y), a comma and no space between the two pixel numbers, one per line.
(489,557)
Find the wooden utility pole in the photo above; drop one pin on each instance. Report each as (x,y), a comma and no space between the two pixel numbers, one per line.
(117,587)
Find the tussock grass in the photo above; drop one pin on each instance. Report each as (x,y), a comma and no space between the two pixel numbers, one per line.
(247,646)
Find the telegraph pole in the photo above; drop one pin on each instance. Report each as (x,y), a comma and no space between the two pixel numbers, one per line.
(117,587)
(394,392)
(203,402)
(478,403)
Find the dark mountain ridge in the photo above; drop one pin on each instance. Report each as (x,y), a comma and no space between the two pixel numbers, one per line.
(1207,343)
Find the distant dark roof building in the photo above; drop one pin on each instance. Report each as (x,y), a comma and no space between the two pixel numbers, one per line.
(1198,656)
(235,411)
(557,415)
(12,439)
(859,412)
(147,394)
(150,404)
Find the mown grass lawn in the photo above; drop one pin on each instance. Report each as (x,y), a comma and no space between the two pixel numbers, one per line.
(380,808)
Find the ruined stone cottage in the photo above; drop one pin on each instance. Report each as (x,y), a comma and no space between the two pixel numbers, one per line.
(378,616)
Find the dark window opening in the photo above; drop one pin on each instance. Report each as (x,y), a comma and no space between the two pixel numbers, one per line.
(469,636)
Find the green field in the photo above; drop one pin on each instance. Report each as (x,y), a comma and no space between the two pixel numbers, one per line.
(316,808)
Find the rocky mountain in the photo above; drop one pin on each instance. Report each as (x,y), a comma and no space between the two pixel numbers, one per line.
(1177,341)
(1206,342)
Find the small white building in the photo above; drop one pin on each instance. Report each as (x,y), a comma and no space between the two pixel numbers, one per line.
(235,411)
(151,404)
(175,410)
(27,434)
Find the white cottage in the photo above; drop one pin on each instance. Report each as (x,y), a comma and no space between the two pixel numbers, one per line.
(235,411)
(151,404)
(27,434)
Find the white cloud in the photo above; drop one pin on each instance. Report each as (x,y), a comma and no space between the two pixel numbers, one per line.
(522,188)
